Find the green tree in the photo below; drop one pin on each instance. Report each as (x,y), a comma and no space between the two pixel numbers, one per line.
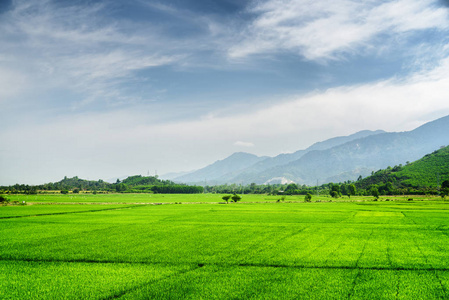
(445,188)
(121,187)
(351,190)
(4,200)
(334,190)
(374,192)
(226,198)
(236,198)
(308,197)
(344,189)
(445,184)
(291,189)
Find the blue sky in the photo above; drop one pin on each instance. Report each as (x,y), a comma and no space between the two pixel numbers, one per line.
(104,89)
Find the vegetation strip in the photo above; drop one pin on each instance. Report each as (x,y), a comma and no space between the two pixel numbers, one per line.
(244,265)
(70,212)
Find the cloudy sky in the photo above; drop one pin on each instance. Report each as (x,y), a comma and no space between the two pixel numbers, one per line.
(105,89)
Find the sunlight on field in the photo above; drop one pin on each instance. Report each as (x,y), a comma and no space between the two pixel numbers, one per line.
(125,198)
(379,214)
(274,250)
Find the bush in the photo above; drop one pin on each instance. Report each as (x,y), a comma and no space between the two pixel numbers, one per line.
(4,200)
(65,192)
(374,192)
(308,197)
(334,194)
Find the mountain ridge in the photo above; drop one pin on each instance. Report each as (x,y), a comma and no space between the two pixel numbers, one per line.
(238,174)
(336,159)
(369,153)
(233,163)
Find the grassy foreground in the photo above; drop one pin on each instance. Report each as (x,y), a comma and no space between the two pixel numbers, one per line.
(357,250)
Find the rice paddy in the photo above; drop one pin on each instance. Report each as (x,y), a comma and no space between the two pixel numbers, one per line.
(248,250)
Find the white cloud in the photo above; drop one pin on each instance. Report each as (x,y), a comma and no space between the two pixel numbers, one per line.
(325,29)
(103,145)
(244,144)
(77,48)
(49,47)
(11,83)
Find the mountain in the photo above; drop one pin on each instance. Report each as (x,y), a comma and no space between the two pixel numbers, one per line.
(173,175)
(255,172)
(229,166)
(357,157)
(239,167)
(429,172)
(333,142)
(335,160)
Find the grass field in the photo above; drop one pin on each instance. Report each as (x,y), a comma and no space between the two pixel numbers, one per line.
(88,198)
(248,250)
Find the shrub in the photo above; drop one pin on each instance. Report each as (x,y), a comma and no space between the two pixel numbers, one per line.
(374,192)
(4,200)
(334,194)
(308,197)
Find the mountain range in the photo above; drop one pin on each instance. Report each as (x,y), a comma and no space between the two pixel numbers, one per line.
(334,160)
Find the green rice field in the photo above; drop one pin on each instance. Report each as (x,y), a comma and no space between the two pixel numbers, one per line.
(86,198)
(125,247)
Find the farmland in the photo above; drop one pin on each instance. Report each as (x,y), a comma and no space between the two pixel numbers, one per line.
(117,246)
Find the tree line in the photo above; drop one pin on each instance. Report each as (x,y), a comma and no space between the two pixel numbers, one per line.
(132,184)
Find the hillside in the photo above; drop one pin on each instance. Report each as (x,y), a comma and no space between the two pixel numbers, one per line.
(229,166)
(247,168)
(334,160)
(427,172)
(361,156)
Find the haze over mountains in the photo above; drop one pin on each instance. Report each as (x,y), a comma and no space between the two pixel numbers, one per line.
(334,160)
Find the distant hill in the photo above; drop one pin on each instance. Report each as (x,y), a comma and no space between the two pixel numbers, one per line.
(228,166)
(429,171)
(357,157)
(172,175)
(131,184)
(137,180)
(334,160)
(340,140)
(245,168)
